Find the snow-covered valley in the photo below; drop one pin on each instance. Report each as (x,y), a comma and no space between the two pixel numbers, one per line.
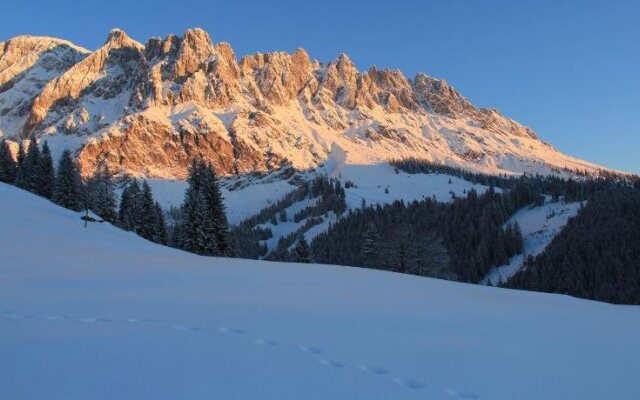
(101,313)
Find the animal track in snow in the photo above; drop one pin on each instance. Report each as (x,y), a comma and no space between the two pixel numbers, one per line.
(229,329)
(373,369)
(265,342)
(310,349)
(93,319)
(409,383)
(463,394)
(331,363)
(183,328)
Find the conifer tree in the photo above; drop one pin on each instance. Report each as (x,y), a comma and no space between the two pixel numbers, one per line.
(68,186)
(45,173)
(160,234)
(146,215)
(216,208)
(302,252)
(370,243)
(129,212)
(19,177)
(7,164)
(204,228)
(103,198)
(28,168)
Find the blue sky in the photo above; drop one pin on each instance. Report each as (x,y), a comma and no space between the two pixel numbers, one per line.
(568,69)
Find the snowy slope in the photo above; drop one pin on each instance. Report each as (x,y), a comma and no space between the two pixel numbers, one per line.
(98,313)
(539,226)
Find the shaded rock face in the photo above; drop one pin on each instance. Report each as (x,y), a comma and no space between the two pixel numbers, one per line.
(151,109)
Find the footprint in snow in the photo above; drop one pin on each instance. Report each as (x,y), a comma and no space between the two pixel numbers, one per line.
(373,369)
(310,349)
(93,319)
(463,394)
(183,328)
(265,342)
(231,330)
(409,383)
(331,363)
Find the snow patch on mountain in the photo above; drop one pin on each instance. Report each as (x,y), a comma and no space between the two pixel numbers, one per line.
(539,225)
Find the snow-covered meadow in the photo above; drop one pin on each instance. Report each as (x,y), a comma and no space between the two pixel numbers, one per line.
(99,313)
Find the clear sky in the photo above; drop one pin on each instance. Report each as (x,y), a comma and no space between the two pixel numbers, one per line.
(568,69)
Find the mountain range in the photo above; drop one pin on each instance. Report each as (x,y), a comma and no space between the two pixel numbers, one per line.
(150,109)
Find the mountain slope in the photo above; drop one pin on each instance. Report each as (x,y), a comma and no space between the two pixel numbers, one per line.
(151,109)
(153,322)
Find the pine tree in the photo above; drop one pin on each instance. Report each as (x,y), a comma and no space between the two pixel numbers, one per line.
(302,252)
(518,240)
(216,208)
(160,234)
(103,198)
(203,227)
(19,176)
(28,168)
(146,216)
(45,173)
(197,225)
(68,185)
(7,164)
(129,213)
(370,244)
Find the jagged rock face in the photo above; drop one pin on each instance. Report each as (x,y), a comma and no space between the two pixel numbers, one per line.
(27,64)
(151,109)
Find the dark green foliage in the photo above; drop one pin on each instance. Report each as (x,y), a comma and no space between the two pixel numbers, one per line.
(141,214)
(130,207)
(203,227)
(8,165)
(281,252)
(45,174)
(102,195)
(458,240)
(302,253)
(20,177)
(67,191)
(331,198)
(159,232)
(530,186)
(27,174)
(596,256)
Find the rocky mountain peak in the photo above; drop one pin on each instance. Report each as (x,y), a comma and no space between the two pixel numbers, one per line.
(150,110)
(118,38)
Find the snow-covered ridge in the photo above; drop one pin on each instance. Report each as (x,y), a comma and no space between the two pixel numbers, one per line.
(230,328)
(150,109)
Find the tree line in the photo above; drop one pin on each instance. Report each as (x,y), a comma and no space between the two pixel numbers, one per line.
(460,240)
(200,225)
(596,255)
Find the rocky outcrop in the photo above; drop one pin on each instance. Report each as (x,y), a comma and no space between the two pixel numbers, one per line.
(151,109)
(105,73)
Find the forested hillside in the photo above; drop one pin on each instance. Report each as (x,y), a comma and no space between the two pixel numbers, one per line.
(596,256)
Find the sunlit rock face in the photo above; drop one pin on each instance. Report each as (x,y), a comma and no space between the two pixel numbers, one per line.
(151,109)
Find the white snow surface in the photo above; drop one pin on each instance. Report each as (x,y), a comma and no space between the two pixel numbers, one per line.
(99,313)
(241,203)
(539,225)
